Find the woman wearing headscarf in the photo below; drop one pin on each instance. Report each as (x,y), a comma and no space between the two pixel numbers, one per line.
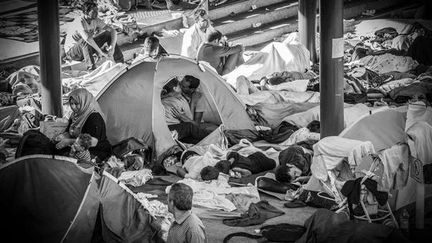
(86,117)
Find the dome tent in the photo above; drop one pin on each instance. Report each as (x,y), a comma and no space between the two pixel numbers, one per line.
(383,127)
(48,199)
(132,103)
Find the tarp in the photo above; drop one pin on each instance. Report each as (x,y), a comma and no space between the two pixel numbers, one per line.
(46,199)
(274,57)
(132,103)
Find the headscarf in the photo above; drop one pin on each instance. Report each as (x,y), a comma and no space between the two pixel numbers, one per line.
(88,105)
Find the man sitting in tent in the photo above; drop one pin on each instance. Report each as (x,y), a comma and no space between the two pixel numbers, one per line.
(197,103)
(178,114)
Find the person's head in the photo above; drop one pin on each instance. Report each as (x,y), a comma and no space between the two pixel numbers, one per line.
(223,166)
(82,142)
(213,36)
(189,84)
(151,47)
(90,9)
(287,173)
(314,126)
(180,197)
(81,100)
(276,80)
(173,86)
(209,173)
(201,19)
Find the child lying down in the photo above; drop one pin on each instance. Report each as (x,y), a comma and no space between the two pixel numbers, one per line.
(294,166)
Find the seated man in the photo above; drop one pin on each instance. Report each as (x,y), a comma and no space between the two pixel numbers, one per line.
(178,114)
(151,51)
(87,34)
(196,100)
(219,54)
(194,36)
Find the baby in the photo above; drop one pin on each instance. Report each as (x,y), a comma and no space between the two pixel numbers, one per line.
(80,149)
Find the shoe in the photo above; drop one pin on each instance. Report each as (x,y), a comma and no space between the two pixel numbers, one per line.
(271,185)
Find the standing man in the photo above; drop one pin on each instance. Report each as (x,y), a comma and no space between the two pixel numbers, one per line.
(87,34)
(219,54)
(187,227)
(195,35)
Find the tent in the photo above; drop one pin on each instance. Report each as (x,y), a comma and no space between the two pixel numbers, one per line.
(46,199)
(383,127)
(132,104)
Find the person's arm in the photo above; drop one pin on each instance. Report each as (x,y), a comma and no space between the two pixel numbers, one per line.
(223,51)
(181,116)
(95,127)
(113,39)
(198,116)
(88,37)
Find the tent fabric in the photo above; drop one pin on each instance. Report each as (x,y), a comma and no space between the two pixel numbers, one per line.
(351,114)
(40,197)
(52,199)
(138,88)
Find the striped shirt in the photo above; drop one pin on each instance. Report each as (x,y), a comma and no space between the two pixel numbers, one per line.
(82,156)
(187,229)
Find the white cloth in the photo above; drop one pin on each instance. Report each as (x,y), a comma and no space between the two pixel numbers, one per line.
(418,111)
(212,194)
(388,62)
(275,57)
(301,135)
(395,160)
(420,142)
(330,151)
(195,164)
(192,39)
(136,178)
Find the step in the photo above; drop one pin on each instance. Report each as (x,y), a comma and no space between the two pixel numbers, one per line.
(267,32)
(239,7)
(264,33)
(262,15)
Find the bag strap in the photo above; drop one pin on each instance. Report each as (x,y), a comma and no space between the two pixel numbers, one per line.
(241,234)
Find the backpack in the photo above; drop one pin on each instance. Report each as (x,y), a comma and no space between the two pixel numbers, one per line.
(273,233)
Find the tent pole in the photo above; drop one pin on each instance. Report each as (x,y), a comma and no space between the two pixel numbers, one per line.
(331,67)
(307,26)
(420,203)
(49,55)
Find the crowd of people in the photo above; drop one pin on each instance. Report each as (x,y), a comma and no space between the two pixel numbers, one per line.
(185,107)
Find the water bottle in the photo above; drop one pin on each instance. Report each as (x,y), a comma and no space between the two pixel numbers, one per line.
(404,222)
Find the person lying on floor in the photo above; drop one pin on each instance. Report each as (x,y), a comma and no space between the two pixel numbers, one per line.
(178,114)
(237,165)
(295,162)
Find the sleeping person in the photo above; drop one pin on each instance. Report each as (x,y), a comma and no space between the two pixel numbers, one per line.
(237,165)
